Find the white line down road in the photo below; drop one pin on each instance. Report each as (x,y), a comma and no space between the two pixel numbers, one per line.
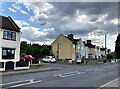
(19,83)
(69,74)
(33,82)
(15,82)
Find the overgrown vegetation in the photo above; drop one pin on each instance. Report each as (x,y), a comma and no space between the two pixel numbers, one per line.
(117,46)
(112,55)
(36,50)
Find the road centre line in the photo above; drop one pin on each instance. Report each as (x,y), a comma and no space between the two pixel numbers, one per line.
(71,72)
(80,73)
(89,69)
(66,73)
(63,76)
(15,82)
(25,84)
(98,69)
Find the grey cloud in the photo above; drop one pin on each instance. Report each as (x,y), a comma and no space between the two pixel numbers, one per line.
(63,14)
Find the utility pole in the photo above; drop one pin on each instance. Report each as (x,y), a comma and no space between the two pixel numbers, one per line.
(105,44)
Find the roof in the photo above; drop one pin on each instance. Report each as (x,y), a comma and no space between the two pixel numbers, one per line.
(89,45)
(8,23)
(74,41)
(102,49)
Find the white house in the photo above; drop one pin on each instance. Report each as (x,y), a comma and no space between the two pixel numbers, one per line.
(9,41)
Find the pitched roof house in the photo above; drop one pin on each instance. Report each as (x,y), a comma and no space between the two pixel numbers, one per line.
(64,47)
(9,40)
(91,49)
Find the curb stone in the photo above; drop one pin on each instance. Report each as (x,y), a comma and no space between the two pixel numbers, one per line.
(28,71)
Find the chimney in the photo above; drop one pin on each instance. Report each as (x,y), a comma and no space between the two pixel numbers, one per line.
(88,41)
(70,36)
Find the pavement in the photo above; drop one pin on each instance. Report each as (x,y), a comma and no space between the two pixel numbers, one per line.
(14,72)
(82,76)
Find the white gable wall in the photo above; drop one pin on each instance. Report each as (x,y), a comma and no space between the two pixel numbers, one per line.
(10,44)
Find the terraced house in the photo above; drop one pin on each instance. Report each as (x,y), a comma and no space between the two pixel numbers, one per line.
(66,47)
(9,42)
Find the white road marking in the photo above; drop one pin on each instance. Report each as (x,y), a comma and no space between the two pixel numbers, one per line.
(1,84)
(98,69)
(80,73)
(57,75)
(66,73)
(25,84)
(15,82)
(71,72)
(63,76)
(108,83)
(89,69)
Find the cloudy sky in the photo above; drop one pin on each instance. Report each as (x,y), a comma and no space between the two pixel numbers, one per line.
(42,22)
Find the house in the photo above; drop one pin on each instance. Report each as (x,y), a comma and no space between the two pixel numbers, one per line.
(80,51)
(103,52)
(91,49)
(97,52)
(9,42)
(66,47)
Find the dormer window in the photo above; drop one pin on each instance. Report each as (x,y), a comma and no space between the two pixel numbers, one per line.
(8,35)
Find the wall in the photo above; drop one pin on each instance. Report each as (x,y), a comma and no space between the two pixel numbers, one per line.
(10,44)
(1,32)
(63,46)
(92,52)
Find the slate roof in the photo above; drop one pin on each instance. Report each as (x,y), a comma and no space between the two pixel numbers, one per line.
(102,49)
(74,41)
(8,24)
(89,45)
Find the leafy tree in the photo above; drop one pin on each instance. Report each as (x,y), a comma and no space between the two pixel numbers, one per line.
(35,50)
(111,55)
(117,46)
(45,50)
(23,46)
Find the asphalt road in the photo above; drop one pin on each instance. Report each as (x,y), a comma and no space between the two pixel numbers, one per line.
(69,76)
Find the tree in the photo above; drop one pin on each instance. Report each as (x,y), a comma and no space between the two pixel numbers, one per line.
(23,46)
(111,55)
(45,50)
(35,50)
(117,46)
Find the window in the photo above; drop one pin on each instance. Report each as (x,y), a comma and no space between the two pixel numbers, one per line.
(9,35)
(60,45)
(78,47)
(8,53)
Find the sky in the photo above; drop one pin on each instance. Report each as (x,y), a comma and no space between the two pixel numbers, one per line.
(41,21)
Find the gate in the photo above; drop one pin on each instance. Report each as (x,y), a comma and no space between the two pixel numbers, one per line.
(9,66)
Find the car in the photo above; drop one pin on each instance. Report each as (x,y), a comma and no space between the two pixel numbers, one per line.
(29,58)
(49,59)
(113,61)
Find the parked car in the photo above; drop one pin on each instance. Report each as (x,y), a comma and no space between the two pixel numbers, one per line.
(29,58)
(113,61)
(49,59)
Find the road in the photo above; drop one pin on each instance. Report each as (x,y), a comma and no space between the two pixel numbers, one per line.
(70,76)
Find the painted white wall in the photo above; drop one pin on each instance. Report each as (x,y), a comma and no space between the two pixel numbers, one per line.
(10,44)
(86,52)
(21,68)
(83,49)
